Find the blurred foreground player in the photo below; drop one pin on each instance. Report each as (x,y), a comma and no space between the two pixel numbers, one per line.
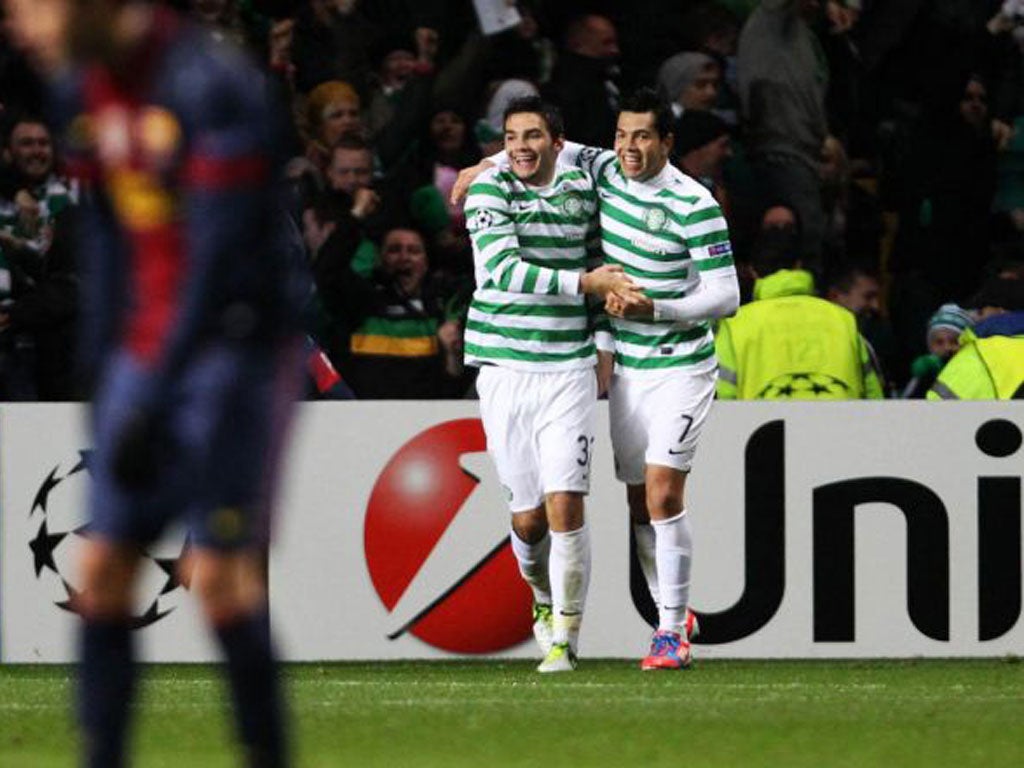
(189,336)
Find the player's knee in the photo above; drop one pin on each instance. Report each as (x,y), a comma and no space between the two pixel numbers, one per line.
(226,587)
(107,572)
(213,586)
(564,511)
(665,488)
(664,501)
(530,526)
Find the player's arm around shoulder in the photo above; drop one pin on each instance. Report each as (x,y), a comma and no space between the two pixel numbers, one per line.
(468,175)
(488,212)
(604,331)
(580,185)
(592,160)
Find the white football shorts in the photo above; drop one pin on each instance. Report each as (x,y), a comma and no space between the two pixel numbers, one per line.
(540,430)
(658,420)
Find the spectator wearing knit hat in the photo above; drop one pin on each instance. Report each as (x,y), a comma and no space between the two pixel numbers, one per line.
(489,130)
(702,146)
(990,362)
(945,327)
(690,80)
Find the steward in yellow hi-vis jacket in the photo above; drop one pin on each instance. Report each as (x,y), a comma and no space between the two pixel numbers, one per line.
(989,367)
(990,362)
(788,344)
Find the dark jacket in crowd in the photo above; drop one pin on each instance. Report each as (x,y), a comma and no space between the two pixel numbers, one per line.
(581,87)
(43,313)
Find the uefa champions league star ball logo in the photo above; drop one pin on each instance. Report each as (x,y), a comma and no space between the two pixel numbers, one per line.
(483,219)
(58,507)
(437,547)
(655,219)
(588,155)
(804,386)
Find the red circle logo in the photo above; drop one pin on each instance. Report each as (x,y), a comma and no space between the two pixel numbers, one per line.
(436,543)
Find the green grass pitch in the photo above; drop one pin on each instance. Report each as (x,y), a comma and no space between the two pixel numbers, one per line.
(484,714)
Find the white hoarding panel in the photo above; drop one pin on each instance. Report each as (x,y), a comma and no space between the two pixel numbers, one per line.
(44,481)
(821,530)
(394,513)
(848,530)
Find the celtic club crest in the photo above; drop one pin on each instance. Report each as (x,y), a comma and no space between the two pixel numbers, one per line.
(655,219)
(572,204)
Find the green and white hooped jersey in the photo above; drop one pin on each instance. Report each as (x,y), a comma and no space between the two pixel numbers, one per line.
(54,195)
(666,233)
(529,248)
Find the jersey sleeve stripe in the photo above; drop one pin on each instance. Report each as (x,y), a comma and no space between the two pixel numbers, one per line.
(704,214)
(718,262)
(711,238)
(486,190)
(530,283)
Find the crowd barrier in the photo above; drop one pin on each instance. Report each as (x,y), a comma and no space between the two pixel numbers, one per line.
(839,530)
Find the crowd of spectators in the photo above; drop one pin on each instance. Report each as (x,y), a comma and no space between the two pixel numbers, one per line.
(884,137)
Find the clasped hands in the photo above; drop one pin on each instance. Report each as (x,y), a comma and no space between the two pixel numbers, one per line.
(622,297)
(634,304)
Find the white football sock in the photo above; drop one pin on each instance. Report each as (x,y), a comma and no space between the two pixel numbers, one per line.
(673,551)
(570,578)
(644,535)
(534,566)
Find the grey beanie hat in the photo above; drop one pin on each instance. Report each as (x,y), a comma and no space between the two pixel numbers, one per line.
(679,71)
(950,317)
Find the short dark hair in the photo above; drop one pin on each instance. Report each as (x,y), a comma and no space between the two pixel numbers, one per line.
(576,28)
(649,100)
(535,105)
(22,118)
(403,225)
(999,292)
(842,275)
(354,142)
(774,249)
